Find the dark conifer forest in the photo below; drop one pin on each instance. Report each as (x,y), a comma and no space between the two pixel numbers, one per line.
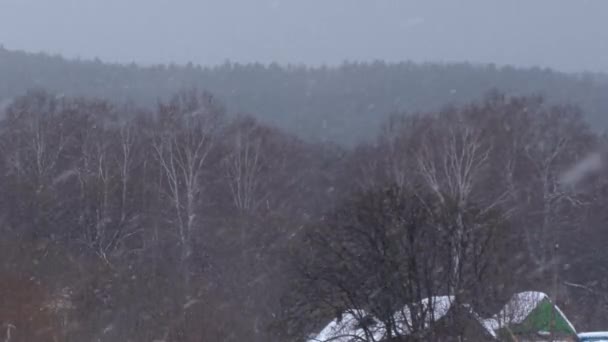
(346,104)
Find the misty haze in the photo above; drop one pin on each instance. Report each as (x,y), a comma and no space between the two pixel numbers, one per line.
(303,171)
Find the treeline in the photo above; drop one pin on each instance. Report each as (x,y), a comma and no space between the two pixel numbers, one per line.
(345,104)
(131,225)
(180,223)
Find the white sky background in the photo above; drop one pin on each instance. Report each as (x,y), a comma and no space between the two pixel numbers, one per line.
(570,35)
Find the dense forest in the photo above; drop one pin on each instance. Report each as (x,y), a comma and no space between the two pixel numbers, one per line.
(344,104)
(136,211)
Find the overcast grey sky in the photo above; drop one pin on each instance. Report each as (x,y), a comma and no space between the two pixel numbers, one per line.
(568,35)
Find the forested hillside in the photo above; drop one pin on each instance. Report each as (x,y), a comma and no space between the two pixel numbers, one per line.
(211,204)
(345,104)
(181,223)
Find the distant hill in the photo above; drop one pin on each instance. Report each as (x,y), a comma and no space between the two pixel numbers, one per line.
(344,104)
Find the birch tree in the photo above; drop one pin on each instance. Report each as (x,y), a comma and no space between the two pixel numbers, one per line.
(187,133)
(451,162)
(244,164)
(35,147)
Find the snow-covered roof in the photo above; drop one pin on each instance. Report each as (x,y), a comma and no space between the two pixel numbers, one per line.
(520,306)
(595,335)
(518,309)
(349,328)
(491,325)
(434,308)
(515,311)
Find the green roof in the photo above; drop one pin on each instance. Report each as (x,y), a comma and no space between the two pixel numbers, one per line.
(545,317)
(530,313)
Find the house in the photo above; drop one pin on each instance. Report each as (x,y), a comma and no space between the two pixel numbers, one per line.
(531,316)
(434,317)
(528,316)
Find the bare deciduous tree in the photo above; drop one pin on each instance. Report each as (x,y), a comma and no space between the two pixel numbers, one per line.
(387,250)
(187,133)
(243,166)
